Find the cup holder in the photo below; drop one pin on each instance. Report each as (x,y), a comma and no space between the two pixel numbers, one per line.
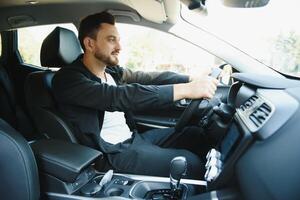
(90,189)
(152,189)
(114,192)
(97,179)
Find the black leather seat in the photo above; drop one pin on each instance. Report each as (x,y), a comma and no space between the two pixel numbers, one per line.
(18,169)
(59,48)
(10,110)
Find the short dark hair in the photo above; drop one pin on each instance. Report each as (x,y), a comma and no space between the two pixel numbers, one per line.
(89,25)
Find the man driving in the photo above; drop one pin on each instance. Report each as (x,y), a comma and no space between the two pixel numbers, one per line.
(97,96)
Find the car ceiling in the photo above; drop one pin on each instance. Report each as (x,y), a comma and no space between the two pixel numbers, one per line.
(21,13)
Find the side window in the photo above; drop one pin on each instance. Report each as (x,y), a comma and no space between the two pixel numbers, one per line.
(148,49)
(30,40)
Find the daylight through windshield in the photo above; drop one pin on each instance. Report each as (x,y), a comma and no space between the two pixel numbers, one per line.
(270,34)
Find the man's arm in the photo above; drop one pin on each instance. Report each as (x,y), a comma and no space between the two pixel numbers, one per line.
(153,78)
(161,78)
(200,88)
(73,87)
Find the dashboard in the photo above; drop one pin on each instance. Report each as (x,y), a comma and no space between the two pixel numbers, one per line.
(261,148)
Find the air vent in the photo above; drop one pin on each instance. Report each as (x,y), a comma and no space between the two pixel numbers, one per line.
(255,112)
(248,103)
(260,115)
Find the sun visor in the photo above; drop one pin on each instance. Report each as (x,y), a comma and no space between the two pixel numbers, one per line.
(172,9)
(150,9)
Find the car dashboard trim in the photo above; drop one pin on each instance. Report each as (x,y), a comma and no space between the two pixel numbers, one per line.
(245,113)
(278,117)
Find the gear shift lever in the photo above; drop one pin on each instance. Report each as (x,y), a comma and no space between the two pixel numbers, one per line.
(178,168)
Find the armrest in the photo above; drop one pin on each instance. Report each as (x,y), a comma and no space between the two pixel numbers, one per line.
(62,159)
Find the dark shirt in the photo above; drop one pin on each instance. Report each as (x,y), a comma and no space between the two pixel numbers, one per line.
(83,98)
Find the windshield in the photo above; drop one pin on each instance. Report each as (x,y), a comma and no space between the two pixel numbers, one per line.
(270,34)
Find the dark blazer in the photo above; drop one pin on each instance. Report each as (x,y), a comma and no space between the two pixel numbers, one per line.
(83,98)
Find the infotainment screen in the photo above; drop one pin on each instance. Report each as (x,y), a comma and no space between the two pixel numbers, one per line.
(229,141)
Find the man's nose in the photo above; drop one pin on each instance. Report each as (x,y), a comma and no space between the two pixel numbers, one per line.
(118,47)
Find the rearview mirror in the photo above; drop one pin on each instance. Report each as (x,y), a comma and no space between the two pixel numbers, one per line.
(245,3)
(200,5)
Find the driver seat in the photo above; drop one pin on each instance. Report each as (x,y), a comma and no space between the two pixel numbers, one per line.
(58,49)
(61,47)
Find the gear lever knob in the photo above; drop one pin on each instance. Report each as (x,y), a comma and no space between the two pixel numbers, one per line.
(178,168)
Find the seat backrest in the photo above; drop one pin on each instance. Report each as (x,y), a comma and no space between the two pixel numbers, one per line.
(41,106)
(7,99)
(18,169)
(59,48)
(10,110)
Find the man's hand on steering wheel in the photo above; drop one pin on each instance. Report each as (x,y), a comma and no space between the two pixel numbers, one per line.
(203,72)
(204,87)
(207,91)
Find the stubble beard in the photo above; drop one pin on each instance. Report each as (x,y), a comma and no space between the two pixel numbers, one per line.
(106,59)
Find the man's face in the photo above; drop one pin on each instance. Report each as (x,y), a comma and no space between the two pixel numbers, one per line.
(107,45)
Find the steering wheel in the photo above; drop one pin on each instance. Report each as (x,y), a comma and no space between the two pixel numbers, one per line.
(187,114)
(192,107)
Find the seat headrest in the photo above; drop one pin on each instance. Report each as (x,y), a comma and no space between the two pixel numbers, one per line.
(61,47)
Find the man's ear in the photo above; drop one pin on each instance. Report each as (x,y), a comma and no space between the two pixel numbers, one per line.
(88,44)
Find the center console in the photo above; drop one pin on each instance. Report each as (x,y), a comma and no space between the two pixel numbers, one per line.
(67,172)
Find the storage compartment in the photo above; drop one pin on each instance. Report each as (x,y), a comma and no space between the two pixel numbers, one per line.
(130,186)
(64,167)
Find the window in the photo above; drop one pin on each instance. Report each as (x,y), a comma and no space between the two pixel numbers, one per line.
(0,46)
(265,33)
(30,40)
(147,49)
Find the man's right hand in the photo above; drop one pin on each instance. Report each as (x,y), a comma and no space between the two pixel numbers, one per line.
(203,88)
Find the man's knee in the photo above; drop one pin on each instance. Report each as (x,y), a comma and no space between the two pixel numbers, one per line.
(195,166)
